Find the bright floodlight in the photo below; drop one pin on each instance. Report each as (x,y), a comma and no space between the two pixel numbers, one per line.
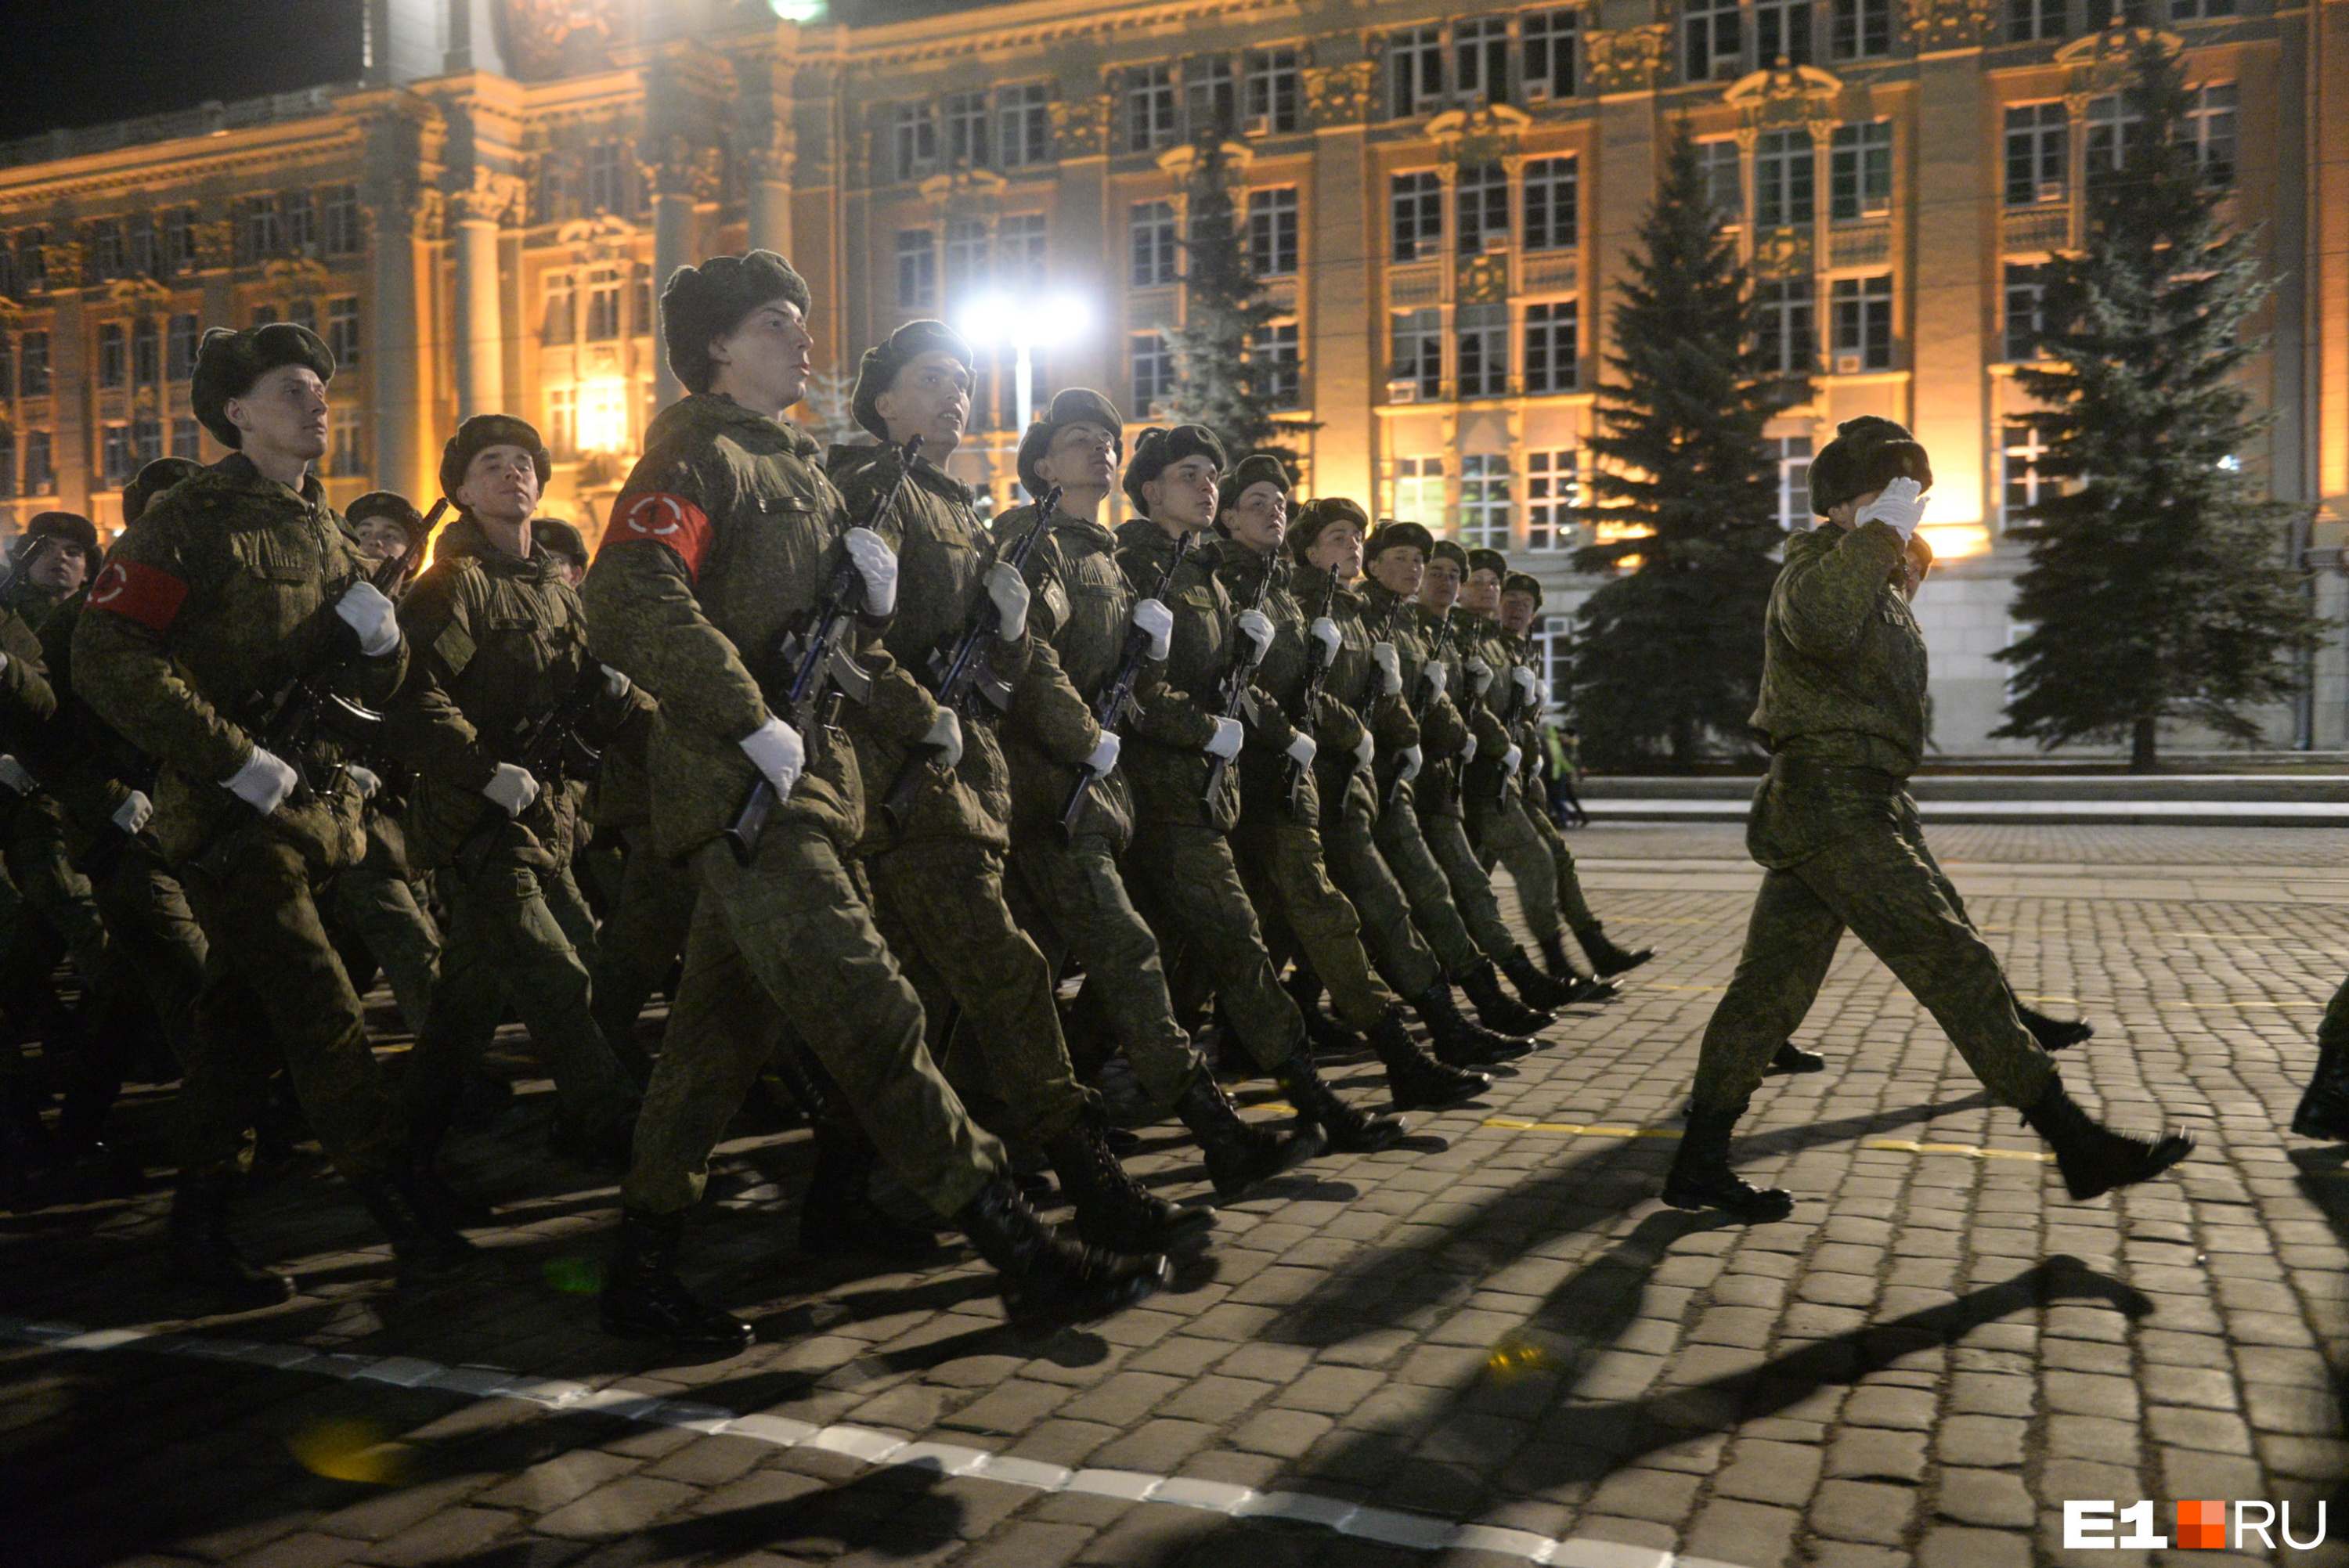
(1032,323)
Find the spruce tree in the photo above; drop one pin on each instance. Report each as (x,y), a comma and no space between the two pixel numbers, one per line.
(1668,655)
(2157,588)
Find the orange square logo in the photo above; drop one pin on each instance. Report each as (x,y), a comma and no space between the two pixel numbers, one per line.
(2202,1524)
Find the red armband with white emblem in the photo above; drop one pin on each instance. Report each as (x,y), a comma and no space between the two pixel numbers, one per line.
(663,519)
(147,594)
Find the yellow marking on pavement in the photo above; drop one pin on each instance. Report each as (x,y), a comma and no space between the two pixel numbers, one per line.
(1970,1151)
(1897,1145)
(1578,1129)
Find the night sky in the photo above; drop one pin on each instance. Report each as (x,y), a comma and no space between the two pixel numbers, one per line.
(83,62)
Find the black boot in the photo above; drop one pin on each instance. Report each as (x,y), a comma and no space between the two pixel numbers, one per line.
(1114,1211)
(603,1149)
(1790,1058)
(1348,1130)
(644,1299)
(1240,1154)
(2053,1033)
(1701,1177)
(426,1243)
(1416,1080)
(2325,1110)
(1457,1042)
(1607,959)
(1561,969)
(1327,1036)
(1045,1276)
(1538,988)
(838,1218)
(1497,1009)
(201,1255)
(2093,1158)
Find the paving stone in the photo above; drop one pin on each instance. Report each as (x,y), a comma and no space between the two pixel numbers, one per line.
(1985,1497)
(1862,1511)
(616,1509)
(1764,1472)
(448,1535)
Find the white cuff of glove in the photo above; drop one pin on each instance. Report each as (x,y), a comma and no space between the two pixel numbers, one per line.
(776,750)
(14,777)
(133,814)
(370,785)
(1257,627)
(263,782)
(1009,592)
(1410,763)
(1156,621)
(1390,664)
(1480,676)
(615,684)
(1226,742)
(4,661)
(876,564)
(1468,752)
(1511,761)
(945,738)
(510,789)
(366,611)
(1104,757)
(1325,632)
(1525,683)
(1302,749)
(1900,507)
(1366,751)
(1436,677)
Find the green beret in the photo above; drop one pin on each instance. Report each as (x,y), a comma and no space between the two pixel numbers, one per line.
(1158,448)
(1522,582)
(153,481)
(1393,535)
(701,305)
(557,537)
(878,370)
(1255,468)
(1485,560)
(478,435)
(228,363)
(1316,515)
(1867,454)
(68,528)
(1449,549)
(391,504)
(1070,406)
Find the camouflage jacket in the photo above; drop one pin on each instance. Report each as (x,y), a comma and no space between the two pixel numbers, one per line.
(79,758)
(1844,669)
(1353,700)
(1080,607)
(1441,728)
(1280,679)
(1440,789)
(496,642)
(726,533)
(220,594)
(1484,646)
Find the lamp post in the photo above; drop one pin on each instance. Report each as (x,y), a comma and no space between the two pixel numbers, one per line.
(1026,324)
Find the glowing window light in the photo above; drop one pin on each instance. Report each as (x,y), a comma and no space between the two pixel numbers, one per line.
(603,416)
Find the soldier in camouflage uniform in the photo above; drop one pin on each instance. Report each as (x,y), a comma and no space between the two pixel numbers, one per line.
(1180,866)
(237,583)
(1842,711)
(1063,884)
(725,535)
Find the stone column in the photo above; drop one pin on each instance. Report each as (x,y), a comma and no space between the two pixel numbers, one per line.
(770,193)
(475,217)
(398,349)
(1345,328)
(681,175)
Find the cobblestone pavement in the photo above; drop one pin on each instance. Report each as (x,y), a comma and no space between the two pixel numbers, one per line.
(1496,1326)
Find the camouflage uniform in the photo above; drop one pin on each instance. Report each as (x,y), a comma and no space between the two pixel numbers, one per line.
(375,904)
(41,841)
(649,912)
(724,533)
(1438,793)
(1499,823)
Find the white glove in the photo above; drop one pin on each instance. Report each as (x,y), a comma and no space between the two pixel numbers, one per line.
(133,814)
(1226,742)
(13,775)
(1510,760)
(1541,691)
(1009,592)
(1390,664)
(1257,627)
(366,611)
(510,789)
(1302,749)
(1480,676)
(1156,621)
(1365,751)
(263,783)
(1324,631)
(1410,763)
(1526,681)
(1104,757)
(877,564)
(945,737)
(1902,506)
(776,749)
(615,684)
(1468,752)
(1437,674)
(4,661)
(364,778)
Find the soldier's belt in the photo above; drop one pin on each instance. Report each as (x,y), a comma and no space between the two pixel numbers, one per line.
(1803,770)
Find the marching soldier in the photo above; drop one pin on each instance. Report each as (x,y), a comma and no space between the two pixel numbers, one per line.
(725,535)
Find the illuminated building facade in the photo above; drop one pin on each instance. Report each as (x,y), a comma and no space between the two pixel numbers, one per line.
(1439,201)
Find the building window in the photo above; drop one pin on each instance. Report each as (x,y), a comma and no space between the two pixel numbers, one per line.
(642,293)
(1415,71)
(1786,170)
(7,464)
(33,274)
(1480,54)
(1272,91)
(2200,10)
(1416,338)
(1782,33)
(1553,490)
(1552,194)
(2020,454)
(256,230)
(350,456)
(1419,492)
(179,346)
(304,314)
(2025,296)
(343,331)
(966,260)
(146,352)
(2103,14)
(146,441)
(1272,232)
(40,469)
(1721,165)
(563,420)
(913,136)
(301,222)
(179,240)
(2115,125)
(1483,334)
(2028,20)
(1154,372)
(1152,244)
(1709,34)
(1484,509)
(1019,244)
(1863,323)
(2210,128)
(344,232)
(2038,142)
(1149,109)
(607,177)
(1549,44)
(562,309)
(602,304)
(918,270)
(1859,177)
(113,356)
(1415,203)
(1794,482)
(1024,124)
(965,121)
(1551,332)
(118,458)
(1279,371)
(33,358)
(1211,94)
(1862,30)
(1482,192)
(263,314)
(1788,343)
(187,439)
(146,255)
(7,370)
(104,256)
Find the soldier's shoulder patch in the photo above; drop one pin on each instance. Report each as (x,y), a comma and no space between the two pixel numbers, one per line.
(137,591)
(662,516)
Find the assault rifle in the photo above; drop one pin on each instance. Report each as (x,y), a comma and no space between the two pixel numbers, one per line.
(1510,700)
(552,751)
(1117,697)
(1232,692)
(1424,698)
(963,675)
(812,647)
(1317,675)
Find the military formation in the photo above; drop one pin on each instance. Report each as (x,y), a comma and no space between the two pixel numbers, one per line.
(923,820)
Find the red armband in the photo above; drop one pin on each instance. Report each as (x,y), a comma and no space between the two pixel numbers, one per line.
(663,519)
(147,594)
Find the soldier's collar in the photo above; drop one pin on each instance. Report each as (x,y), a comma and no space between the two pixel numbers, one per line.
(244,471)
(718,405)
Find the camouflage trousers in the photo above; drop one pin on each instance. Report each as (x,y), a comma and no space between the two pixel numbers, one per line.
(1071,901)
(381,908)
(1538,863)
(1472,889)
(1282,867)
(1186,884)
(650,911)
(939,905)
(151,927)
(1405,849)
(56,894)
(789,939)
(1882,884)
(1349,847)
(274,991)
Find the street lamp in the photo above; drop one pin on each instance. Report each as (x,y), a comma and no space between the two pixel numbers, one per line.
(1027,325)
